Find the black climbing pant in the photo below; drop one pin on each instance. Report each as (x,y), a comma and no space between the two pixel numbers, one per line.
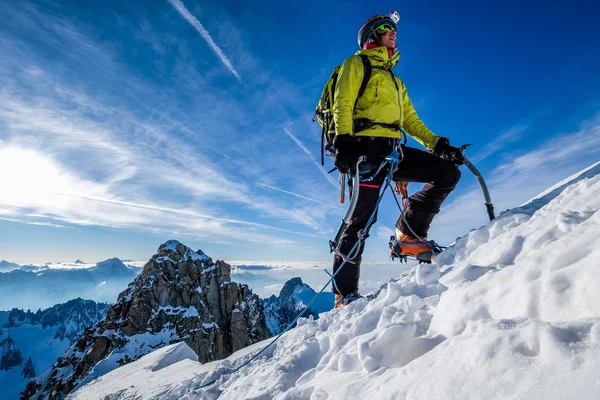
(440,178)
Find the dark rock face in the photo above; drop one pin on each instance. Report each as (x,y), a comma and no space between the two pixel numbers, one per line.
(181,295)
(293,298)
(28,370)
(11,355)
(71,317)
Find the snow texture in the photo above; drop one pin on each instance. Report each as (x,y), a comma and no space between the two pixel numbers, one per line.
(509,311)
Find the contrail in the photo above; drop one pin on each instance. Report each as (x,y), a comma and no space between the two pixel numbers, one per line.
(178,5)
(183,212)
(299,143)
(302,197)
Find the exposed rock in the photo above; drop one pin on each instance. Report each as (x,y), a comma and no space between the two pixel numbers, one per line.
(11,355)
(293,298)
(28,370)
(181,295)
(71,317)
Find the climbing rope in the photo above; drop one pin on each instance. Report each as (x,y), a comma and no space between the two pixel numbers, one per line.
(393,160)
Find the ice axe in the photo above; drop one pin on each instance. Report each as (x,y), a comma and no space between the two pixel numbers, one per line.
(486,194)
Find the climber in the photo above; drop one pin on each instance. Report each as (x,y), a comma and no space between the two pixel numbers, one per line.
(369,125)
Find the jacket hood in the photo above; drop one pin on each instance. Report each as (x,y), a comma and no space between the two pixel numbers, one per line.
(379,57)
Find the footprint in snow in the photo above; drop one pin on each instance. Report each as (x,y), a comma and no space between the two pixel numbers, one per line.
(567,220)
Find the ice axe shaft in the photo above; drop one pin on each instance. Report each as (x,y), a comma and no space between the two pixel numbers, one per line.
(486,194)
(353,200)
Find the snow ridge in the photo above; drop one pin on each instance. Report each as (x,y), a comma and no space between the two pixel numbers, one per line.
(510,311)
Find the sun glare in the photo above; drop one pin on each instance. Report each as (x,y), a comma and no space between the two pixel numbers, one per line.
(28,177)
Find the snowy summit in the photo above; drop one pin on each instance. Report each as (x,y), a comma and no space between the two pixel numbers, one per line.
(181,296)
(510,311)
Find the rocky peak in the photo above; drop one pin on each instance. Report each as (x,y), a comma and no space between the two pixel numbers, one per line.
(11,355)
(289,287)
(181,295)
(112,267)
(71,317)
(293,298)
(28,371)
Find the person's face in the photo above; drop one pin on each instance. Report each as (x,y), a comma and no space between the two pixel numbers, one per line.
(388,39)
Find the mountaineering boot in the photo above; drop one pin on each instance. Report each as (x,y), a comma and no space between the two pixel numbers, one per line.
(342,301)
(403,246)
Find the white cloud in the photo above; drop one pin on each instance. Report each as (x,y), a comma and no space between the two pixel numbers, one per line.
(40,184)
(300,196)
(383,232)
(274,289)
(27,222)
(513,135)
(124,158)
(178,5)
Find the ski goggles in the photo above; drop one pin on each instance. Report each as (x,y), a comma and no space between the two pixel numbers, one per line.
(385,27)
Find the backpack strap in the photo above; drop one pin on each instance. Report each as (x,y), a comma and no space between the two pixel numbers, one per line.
(368,69)
(329,94)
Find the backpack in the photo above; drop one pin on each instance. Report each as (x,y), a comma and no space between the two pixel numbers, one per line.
(324,111)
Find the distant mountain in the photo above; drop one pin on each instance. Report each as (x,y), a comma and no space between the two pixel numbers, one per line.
(71,318)
(181,295)
(78,261)
(11,355)
(31,342)
(42,287)
(112,268)
(293,298)
(6,266)
(32,268)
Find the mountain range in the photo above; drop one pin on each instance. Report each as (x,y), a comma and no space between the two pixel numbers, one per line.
(181,296)
(34,287)
(509,311)
(55,328)
(31,342)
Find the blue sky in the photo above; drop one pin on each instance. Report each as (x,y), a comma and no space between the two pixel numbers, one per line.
(125,125)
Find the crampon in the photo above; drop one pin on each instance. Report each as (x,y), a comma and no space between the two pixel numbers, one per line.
(422,251)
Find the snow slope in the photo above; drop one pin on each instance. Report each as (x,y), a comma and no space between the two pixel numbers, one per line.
(510,311)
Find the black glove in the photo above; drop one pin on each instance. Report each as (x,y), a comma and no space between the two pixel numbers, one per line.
(346,152)
(450,153)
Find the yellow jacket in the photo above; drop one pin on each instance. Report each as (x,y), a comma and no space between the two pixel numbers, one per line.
(384,101)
